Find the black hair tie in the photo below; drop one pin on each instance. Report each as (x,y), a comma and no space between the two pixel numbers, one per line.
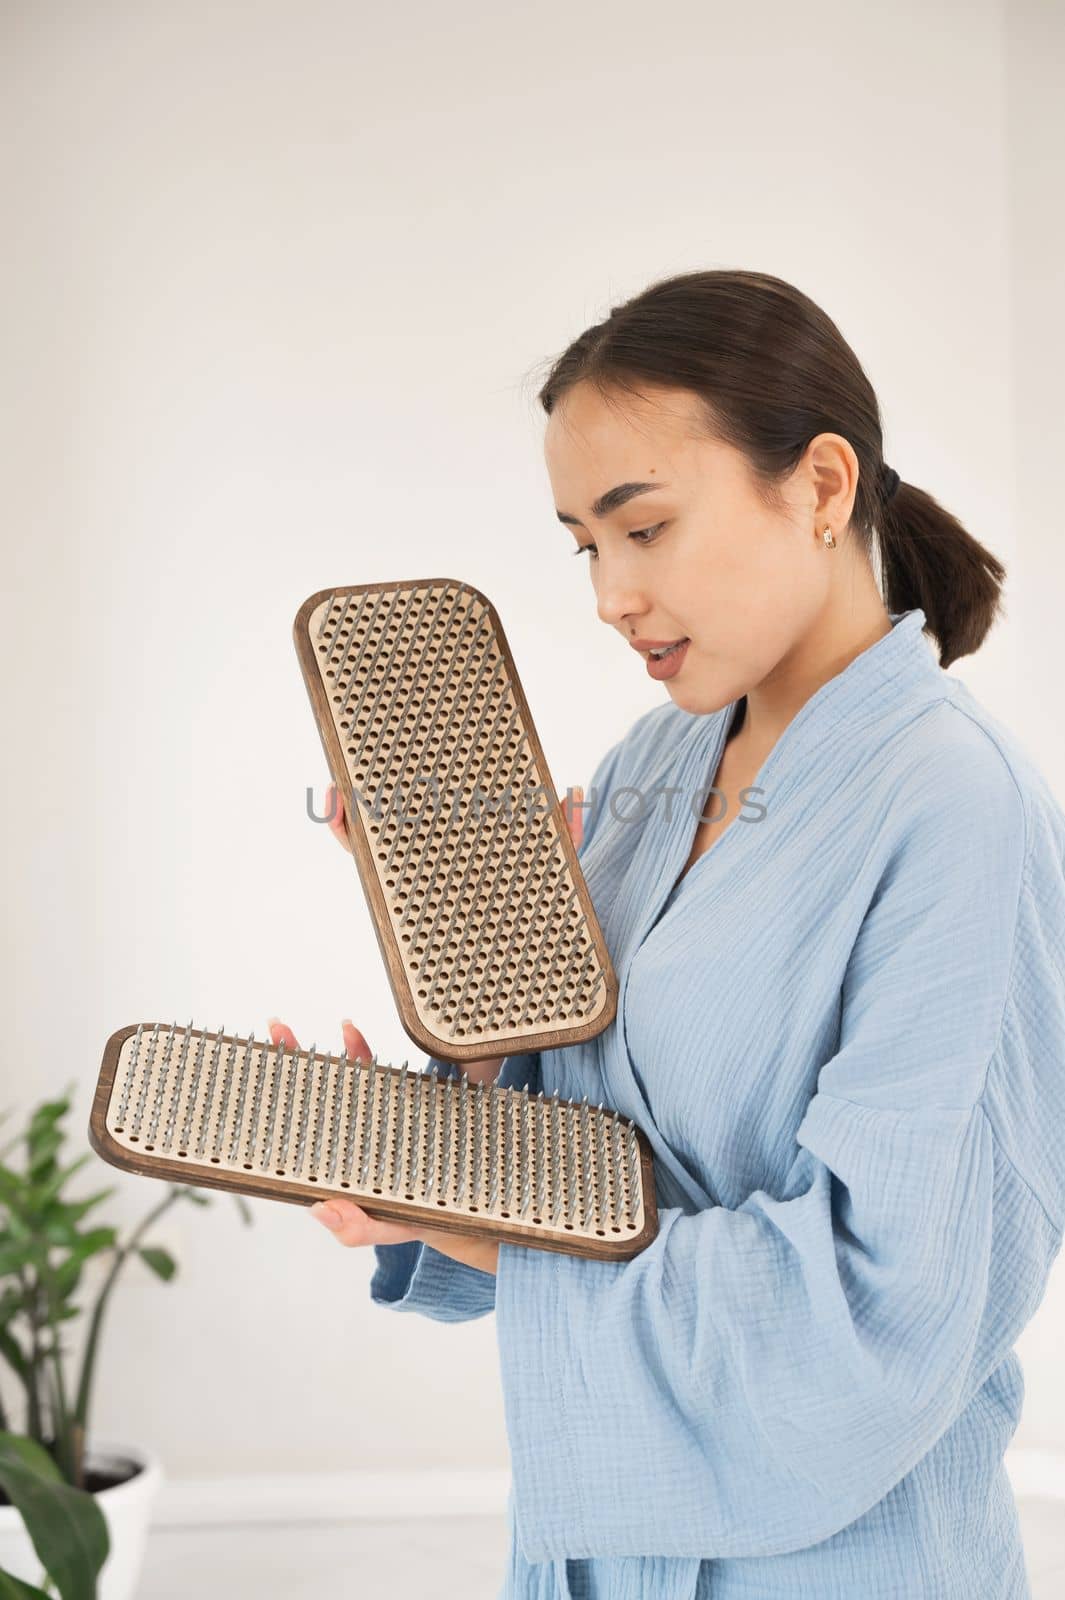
(889,482)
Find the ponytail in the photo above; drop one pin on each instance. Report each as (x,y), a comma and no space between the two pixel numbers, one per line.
(928,559)
(773,371)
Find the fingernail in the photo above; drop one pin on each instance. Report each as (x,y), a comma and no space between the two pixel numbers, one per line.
(326,1215)
(271,1020)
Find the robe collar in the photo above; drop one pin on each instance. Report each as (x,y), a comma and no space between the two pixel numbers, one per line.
(898,671)
(894,675)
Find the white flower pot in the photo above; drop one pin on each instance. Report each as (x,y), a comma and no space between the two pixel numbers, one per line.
(127,1507)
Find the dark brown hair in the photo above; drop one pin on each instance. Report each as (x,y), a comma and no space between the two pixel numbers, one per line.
(773,371)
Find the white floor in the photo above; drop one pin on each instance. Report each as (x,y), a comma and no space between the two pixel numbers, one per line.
(422,1558)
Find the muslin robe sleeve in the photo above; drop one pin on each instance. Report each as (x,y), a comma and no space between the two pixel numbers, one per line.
(757,1378)
(414,1276)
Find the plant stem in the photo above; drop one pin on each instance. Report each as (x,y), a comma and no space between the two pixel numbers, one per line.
(65,1452)
(122,1253)
(34,1419)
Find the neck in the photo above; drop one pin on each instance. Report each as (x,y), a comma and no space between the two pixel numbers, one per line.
(825,650)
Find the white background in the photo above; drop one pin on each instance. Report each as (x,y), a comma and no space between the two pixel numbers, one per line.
(277,282)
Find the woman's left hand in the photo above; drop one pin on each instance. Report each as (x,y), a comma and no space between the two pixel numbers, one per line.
(350,1225)
(354,1227)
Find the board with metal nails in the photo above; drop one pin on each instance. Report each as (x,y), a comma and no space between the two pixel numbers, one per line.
(214,1110)
(479,904)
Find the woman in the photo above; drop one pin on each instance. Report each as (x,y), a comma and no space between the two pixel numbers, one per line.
(836,907)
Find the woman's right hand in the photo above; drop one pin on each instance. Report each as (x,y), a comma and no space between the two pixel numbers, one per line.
(355,1045)
(334,807)
(348,1222)
(339,1214)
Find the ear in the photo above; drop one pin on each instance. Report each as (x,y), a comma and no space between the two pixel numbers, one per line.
(830,467)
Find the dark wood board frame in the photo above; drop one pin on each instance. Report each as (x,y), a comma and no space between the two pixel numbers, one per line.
(433,1044)
(173,1169)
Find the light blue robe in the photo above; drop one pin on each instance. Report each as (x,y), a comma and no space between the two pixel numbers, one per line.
(844,1036)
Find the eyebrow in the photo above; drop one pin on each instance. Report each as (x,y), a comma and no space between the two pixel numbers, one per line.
(614,499)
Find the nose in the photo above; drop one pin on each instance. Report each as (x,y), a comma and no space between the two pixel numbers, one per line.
(617,599)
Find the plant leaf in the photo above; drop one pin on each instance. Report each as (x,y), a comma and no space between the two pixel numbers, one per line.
(12,1588)
(68,1529)
(66,1277)
(16,1255)
(52,1188)
(161,1262)
(43,1148)
(77,1210)
(48,1113)
(11,1182)
(12,1352)
(11,1301)
(82,1245)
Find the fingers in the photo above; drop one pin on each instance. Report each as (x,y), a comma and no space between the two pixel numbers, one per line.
(355,1043)
(574,816)
(334,808)
(350,1226)
(281,1033)
(356,1046)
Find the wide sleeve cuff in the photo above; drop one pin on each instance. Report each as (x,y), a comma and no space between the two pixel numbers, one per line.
(415,1277)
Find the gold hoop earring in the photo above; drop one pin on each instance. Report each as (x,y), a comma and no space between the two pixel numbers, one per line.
(830,539)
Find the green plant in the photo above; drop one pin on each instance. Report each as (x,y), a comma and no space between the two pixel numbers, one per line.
(66,1526)
(43,1252)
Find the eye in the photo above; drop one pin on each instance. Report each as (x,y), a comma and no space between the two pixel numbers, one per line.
(641,535)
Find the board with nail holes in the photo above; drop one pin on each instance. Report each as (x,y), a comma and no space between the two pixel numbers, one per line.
(479,904)
(216,1111)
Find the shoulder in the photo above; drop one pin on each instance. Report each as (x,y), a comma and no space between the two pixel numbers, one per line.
(1043,814)
(969,810)
(959,773)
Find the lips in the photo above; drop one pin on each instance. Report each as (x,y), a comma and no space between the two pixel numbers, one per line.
(644,645)
(669,664)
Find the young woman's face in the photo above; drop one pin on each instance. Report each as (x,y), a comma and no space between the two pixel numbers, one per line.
(695,554)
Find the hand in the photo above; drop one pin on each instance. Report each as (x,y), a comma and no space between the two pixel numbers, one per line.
(349,1223)
(334,806)
(575,816)
(354,1226)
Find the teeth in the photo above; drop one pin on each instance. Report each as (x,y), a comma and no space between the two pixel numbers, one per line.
(658,654)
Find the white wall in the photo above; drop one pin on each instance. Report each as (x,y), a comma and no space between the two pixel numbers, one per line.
(275,279)
(1035,132)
